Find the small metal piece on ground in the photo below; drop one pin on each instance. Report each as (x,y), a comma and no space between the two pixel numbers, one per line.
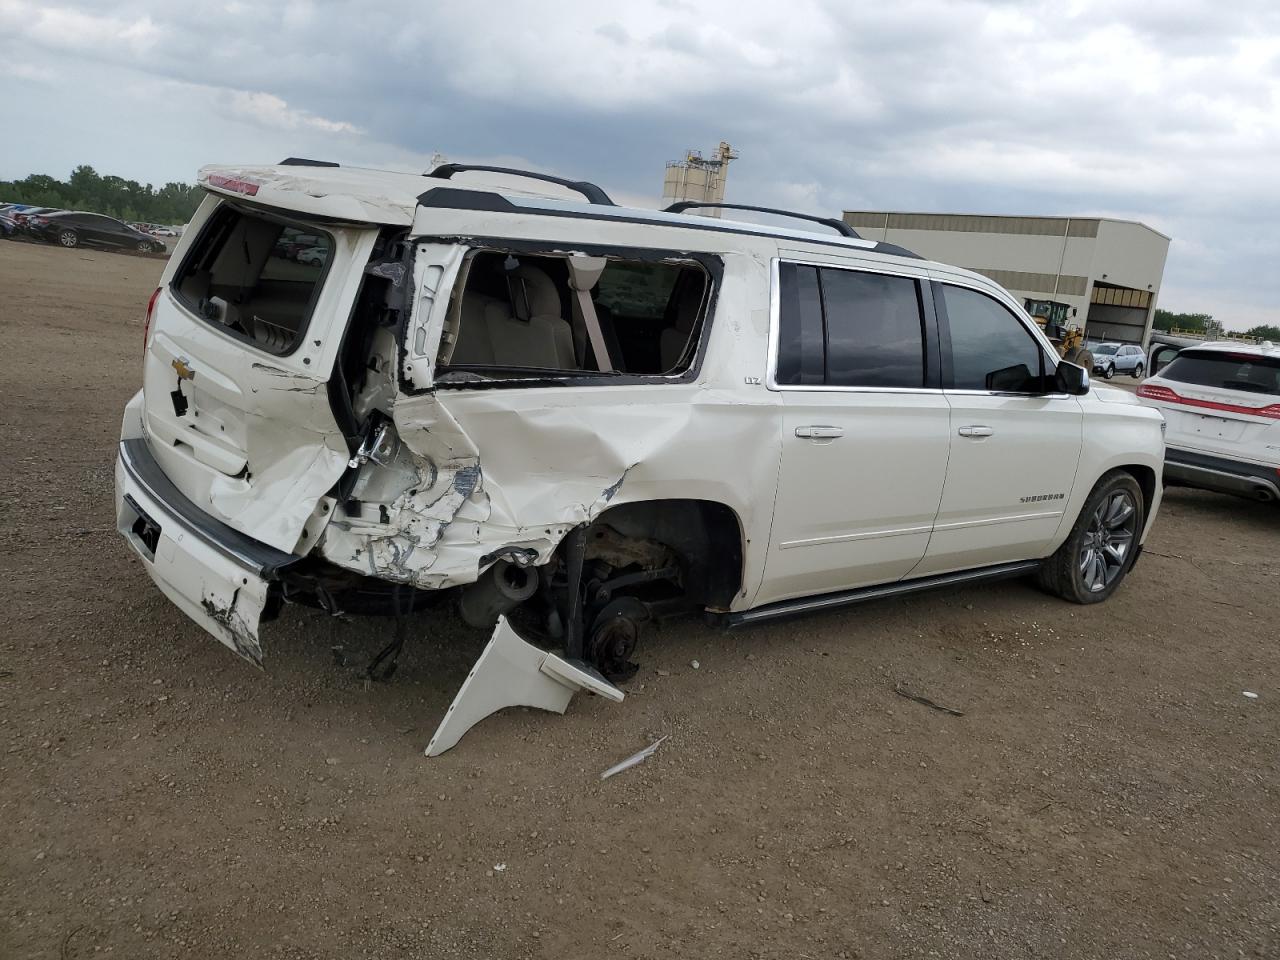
(635,759)
(902,691)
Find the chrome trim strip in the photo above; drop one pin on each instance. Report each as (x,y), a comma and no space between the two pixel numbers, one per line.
(989,521)
(849,537)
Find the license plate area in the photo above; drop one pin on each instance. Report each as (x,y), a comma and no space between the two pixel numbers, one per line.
(1217,428)
(144,531)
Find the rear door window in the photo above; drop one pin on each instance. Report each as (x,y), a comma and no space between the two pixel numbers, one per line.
(1229,371)
(875,331)
(244,276)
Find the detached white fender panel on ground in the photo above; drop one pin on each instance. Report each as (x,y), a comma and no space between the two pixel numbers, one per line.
(514,673)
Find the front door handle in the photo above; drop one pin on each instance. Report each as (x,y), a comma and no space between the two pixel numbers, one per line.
(976,431)
(819,432)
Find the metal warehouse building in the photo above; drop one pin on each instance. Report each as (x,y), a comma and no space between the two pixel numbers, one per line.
(1098,273)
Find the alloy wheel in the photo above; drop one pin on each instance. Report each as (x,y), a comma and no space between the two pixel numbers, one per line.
(1108,541)
(67,238)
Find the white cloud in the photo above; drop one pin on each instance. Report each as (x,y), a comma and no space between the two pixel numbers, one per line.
(271,111)
(1166,111)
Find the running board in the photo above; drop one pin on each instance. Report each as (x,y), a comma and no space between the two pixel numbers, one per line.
(830,601)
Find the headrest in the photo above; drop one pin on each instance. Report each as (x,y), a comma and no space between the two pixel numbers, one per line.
(533,294)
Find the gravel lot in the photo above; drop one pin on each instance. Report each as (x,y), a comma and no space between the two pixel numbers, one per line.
(1109,791)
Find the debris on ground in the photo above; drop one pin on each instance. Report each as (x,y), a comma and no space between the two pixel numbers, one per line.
(902,691)
(635,759)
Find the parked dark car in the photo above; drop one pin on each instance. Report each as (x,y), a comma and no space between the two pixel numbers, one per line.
(7,227)
(71,229)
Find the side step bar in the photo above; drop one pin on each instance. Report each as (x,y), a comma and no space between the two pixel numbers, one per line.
(784,609)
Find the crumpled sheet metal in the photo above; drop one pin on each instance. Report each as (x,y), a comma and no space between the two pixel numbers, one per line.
(522,470)
(514,673)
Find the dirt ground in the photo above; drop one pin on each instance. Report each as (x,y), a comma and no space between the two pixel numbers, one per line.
(1109,792)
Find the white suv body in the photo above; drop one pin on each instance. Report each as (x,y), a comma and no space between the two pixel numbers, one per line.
(1222,405)
(586,416)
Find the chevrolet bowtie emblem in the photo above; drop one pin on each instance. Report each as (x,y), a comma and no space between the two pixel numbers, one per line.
(184,369)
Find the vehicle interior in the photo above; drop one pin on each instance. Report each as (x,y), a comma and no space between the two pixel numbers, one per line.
(521,314)
(239,274)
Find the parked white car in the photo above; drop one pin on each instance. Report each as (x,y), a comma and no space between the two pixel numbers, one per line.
(1222,404)
(582,417)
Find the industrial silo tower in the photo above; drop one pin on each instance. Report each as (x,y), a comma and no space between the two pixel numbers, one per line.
(698,178)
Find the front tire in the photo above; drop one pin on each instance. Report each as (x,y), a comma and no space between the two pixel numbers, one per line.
(69,239)
(1102,545)
(144,247)
(1109,371)
(1138,372)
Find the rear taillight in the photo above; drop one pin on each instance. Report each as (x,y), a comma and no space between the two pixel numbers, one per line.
(146,326)
(1153,392)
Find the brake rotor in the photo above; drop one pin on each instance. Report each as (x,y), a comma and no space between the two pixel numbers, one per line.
(615,631)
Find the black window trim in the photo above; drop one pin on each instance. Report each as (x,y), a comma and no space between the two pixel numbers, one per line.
(933,347)
(262,213)
(1048,360)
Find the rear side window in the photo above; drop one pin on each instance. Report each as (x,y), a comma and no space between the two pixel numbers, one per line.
(1230,371)
(875,332)
(849,328)
(255,277)
(990,348)
(519,317)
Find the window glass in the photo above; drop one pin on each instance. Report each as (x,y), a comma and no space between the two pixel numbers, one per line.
(800,336)
(990,348)
(1230,371)
(250,275)
(1104,350)
(875,336)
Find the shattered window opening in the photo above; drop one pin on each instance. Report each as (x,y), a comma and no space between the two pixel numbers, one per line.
(255,276)
(520,316)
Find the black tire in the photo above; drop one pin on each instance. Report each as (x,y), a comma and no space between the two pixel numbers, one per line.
(1138,371)
(68,238)
(1070,573)
(144,246)
(1108,371)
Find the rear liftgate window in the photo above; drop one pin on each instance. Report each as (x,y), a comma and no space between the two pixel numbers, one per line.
(255,277)
(528,317)
(1230,371)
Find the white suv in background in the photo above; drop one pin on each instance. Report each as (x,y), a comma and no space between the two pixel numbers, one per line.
(584,417)
(1221,402)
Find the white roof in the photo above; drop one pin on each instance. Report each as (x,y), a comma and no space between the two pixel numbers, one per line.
(366,195)
(1266,348)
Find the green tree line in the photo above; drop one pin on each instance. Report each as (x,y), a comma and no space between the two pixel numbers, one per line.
(88,190)
(1204,323)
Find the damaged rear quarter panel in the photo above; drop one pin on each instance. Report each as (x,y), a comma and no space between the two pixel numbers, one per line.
(521,466)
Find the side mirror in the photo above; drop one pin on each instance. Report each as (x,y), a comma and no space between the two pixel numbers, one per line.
(1071,379)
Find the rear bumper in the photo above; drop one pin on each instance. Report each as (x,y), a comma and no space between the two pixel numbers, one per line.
(216,575)
(1221,474)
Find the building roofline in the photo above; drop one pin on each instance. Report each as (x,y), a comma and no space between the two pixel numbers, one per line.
(1008,216)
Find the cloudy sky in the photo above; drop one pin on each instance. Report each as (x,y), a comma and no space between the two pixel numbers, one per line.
(1166,112)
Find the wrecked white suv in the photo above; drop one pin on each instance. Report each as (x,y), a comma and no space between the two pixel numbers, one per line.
(580,417)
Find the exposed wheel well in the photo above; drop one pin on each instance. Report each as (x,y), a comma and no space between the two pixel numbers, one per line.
(705,534)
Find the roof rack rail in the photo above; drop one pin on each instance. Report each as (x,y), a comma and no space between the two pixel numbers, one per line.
(304,162)
(589,190)
(839,226)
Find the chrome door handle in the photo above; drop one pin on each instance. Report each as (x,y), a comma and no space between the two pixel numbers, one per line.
(819,433)
(976,431)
